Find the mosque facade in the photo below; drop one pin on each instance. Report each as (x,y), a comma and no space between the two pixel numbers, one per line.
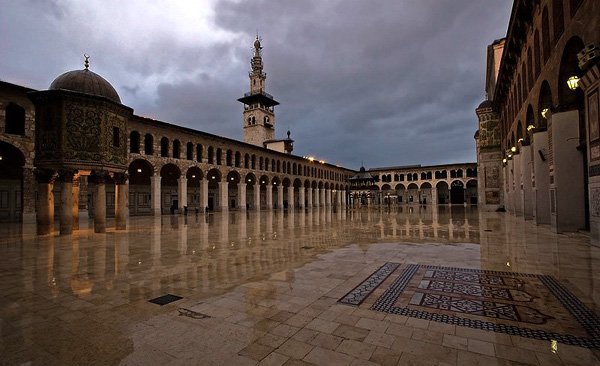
(75,149)
(538,145)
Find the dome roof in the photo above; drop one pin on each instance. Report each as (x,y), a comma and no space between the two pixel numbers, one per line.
(86,81)
(486,104)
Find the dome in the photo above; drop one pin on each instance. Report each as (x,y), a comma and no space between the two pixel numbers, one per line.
(85,81)
(486,104)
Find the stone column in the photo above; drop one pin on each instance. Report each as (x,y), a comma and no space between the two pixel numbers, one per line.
(45,205)
(309,203)
(527,191)
(434,196)
(343,196)
(302,198)
(182,193)
(256,191)
(322,199)
(66,201)
(328,197)
(242,196)
(269,192)
(317,197)
(224,195)
(203,194)
(280,197)
(121,197)
(291,197)
(155,194)
(75,209)
(100,203)
(28,209)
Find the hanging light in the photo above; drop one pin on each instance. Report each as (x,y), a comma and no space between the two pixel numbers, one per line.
(504,160)
(193,176)
(545,112)
(139,169)
(513,149)
(530,128)
(573,82)
(520,140)
(0,157)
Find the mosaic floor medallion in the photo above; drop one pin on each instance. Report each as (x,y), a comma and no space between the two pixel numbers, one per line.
(527,305)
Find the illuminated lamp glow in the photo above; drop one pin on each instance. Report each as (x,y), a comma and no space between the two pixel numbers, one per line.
(513,149)
(573,82)
(545,112)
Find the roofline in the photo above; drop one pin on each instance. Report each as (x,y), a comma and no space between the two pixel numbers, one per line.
(419,167)
(2,82)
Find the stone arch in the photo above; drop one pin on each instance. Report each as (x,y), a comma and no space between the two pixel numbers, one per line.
(233,180)
(265,184)
(140,198)
(169,174)
(457,192)
(251,186)
(134,142)
(544,103)
(425,196)
(443,192)
(567,98)
(545,34)
(194,177)
(214,177)
(471,191)
(12,161)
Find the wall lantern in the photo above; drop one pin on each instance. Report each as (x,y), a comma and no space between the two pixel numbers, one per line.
(573,82)
(509,155)
(520,140)
(513,149)
(530,128)
(504,161)
(545,112)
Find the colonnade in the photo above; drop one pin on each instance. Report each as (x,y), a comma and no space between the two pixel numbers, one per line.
(69,200)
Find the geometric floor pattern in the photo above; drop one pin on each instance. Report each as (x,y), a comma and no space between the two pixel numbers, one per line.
(527,305)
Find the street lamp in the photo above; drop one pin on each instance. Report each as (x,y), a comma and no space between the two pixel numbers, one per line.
(573,82)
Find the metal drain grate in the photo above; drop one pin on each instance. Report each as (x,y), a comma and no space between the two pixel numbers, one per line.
(165,299)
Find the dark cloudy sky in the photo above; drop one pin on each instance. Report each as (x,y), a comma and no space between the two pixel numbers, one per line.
(391,82)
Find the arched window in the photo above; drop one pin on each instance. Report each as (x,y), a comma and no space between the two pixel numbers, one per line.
(267,164)
(228,158)
(545,35)
(529,70)
(278,166)
(219,156)
(199,152)
(536,53)
(14,119)
(396,177)
(211,155)
(164,147)
(238,158)
(176,149)
(253,165)
(272,165)
(134,142)
(247,161)
(148,144)
(558,19)
(190,151)
(423,176)
(428,175)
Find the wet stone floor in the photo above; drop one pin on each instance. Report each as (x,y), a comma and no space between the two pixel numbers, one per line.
(406,286)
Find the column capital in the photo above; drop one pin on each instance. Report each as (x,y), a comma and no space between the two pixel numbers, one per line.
(47,176)
(98,176)
(66,175)
(120,178)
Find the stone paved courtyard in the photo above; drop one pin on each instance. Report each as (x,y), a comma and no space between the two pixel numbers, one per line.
(294,288)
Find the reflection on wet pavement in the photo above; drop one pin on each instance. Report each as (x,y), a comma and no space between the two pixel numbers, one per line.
(263,287)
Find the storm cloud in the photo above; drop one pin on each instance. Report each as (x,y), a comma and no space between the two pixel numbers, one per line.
(384,82)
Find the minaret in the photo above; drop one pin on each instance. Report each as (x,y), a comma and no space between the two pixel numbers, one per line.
(259,111)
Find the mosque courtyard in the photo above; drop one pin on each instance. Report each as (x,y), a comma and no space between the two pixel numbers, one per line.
(411,285)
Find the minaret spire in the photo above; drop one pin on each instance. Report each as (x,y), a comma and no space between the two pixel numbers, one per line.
(259,112)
